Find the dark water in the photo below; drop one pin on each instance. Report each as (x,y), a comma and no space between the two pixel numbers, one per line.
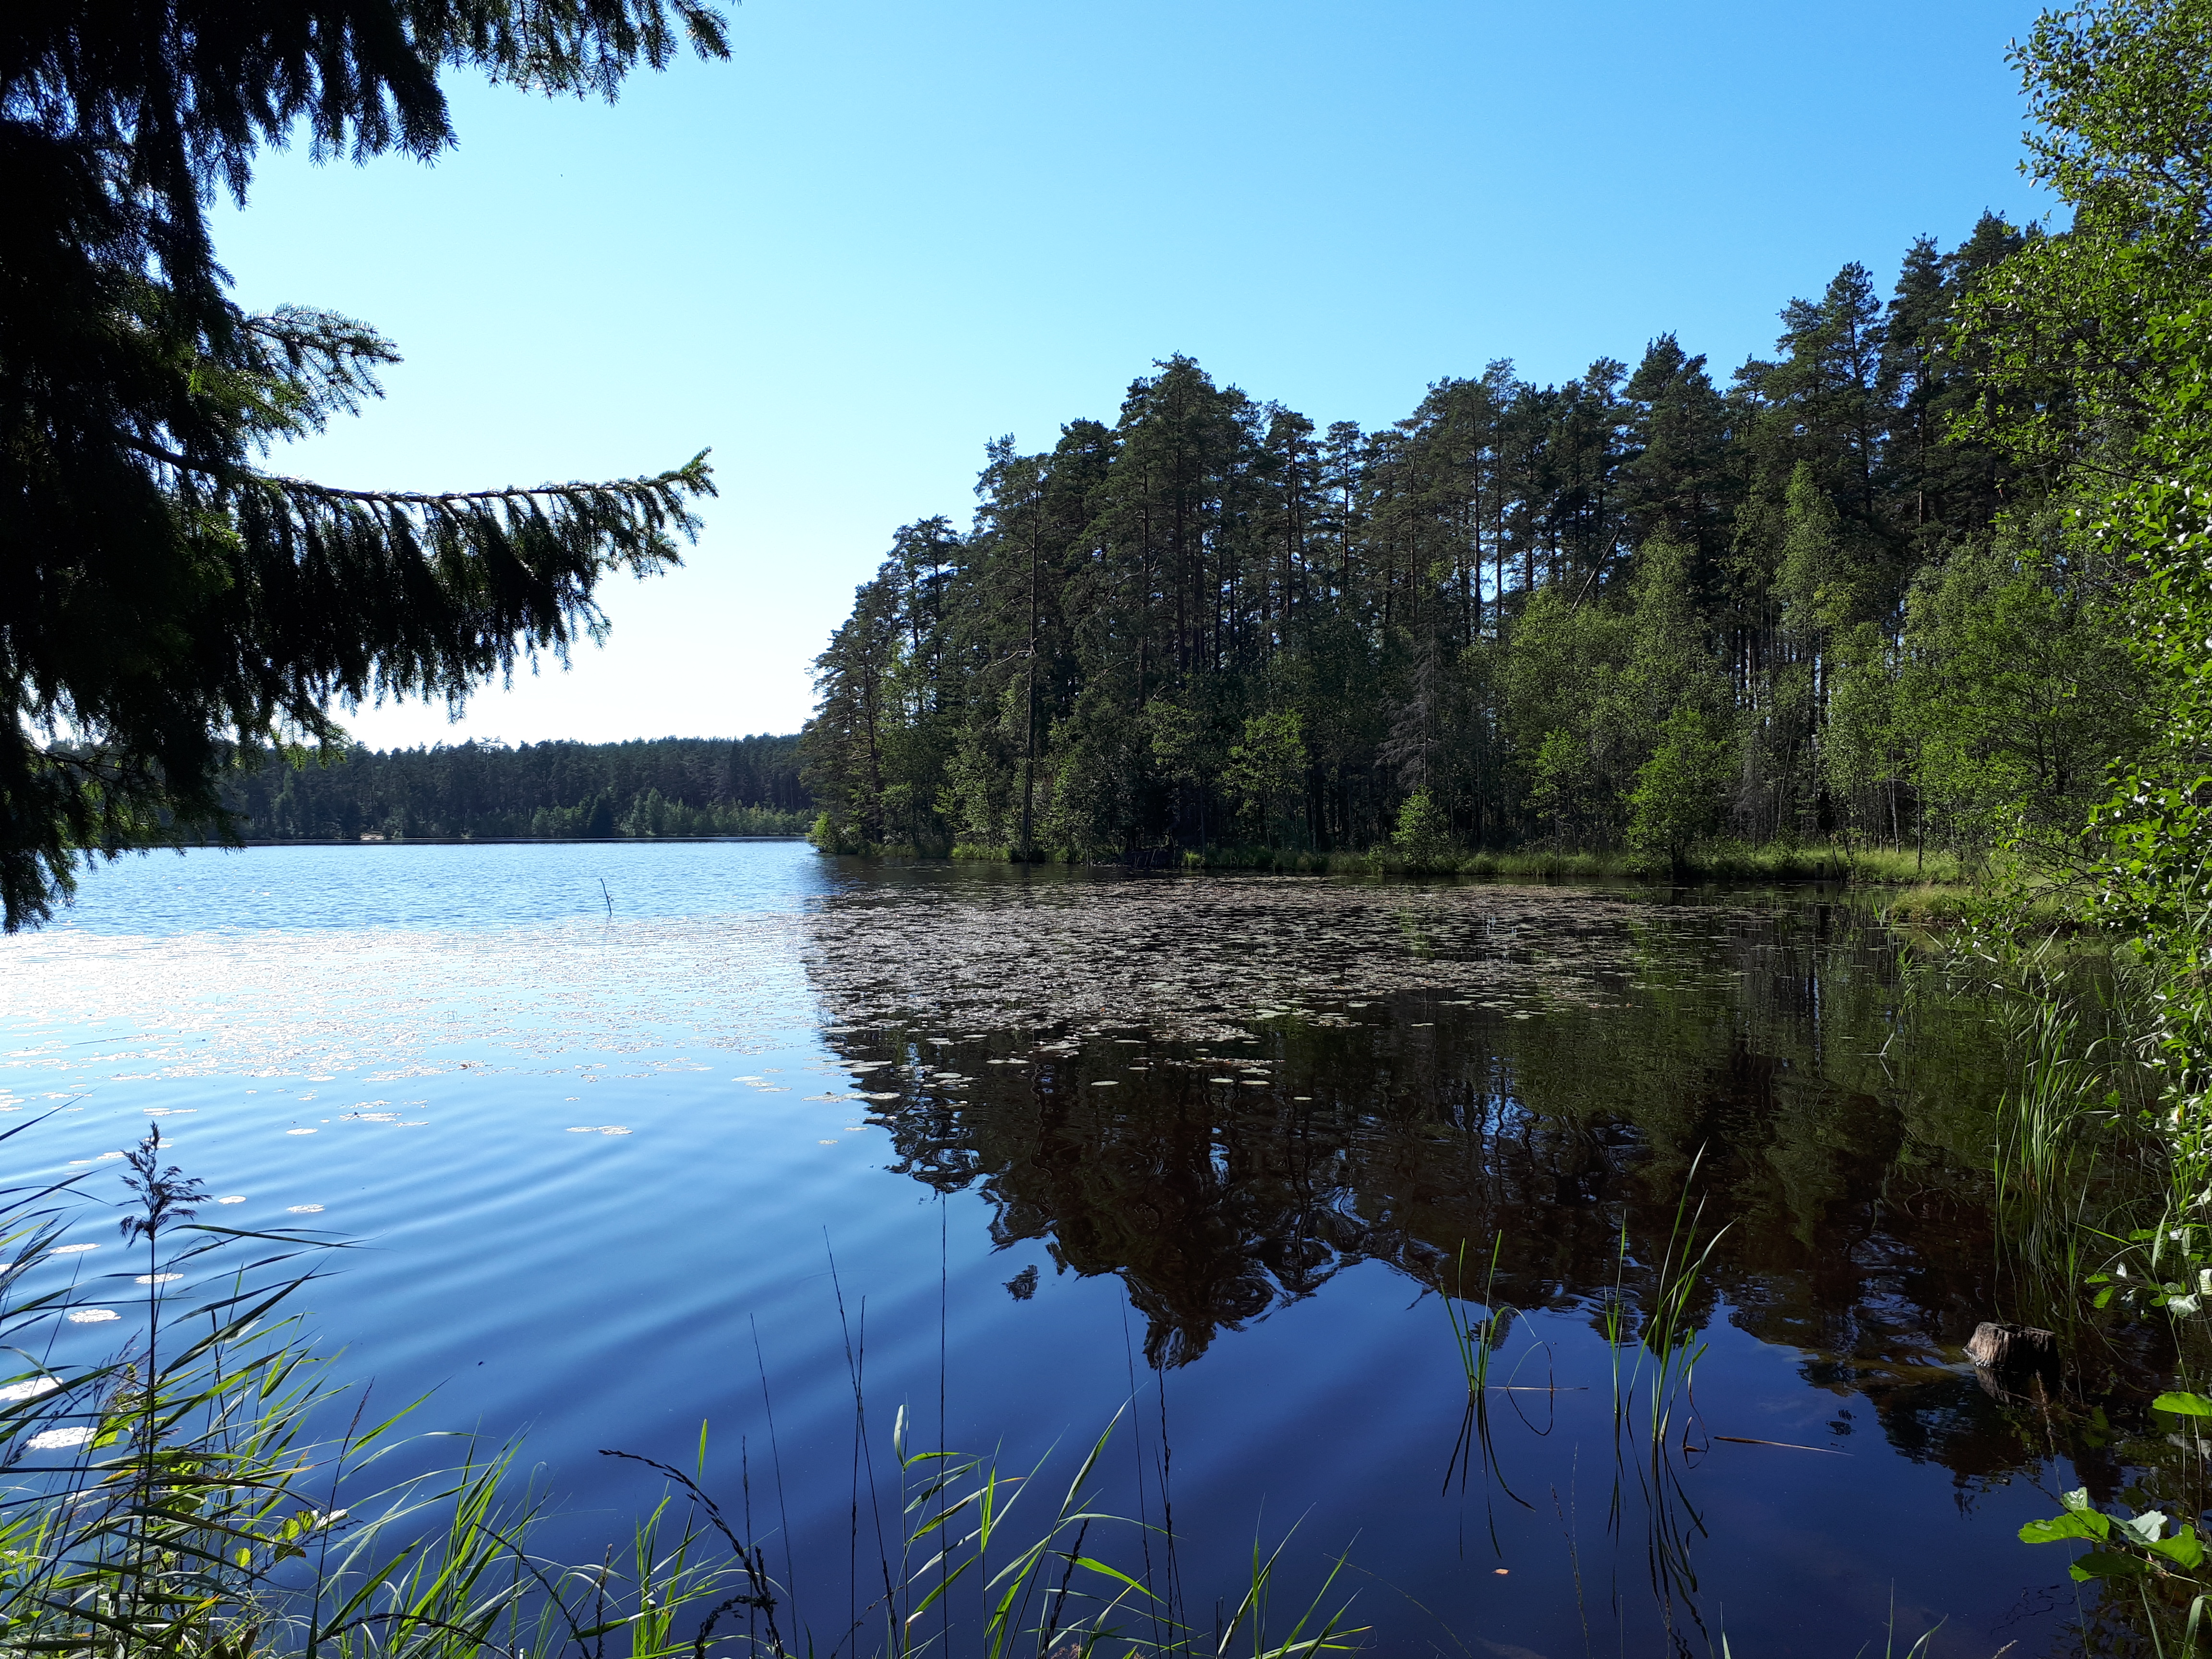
(1206,1149)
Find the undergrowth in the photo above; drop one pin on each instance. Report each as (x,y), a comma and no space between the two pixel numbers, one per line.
(1931,873)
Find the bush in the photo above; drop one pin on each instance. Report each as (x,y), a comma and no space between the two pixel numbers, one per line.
(1680,792)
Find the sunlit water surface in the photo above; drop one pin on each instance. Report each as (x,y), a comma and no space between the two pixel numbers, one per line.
(617,1129)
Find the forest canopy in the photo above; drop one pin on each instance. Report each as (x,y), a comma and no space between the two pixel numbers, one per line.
(648,789)
(1811,600)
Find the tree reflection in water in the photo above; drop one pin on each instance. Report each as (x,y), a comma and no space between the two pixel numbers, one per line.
(1247,1155)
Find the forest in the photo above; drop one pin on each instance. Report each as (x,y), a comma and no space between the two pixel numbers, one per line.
(1651,610)
(592,790)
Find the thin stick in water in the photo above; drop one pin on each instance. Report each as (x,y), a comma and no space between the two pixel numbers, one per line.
(1786,1445)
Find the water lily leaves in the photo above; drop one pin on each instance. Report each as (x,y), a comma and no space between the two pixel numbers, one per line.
(1106,958)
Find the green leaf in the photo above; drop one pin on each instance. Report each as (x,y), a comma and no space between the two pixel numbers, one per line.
(2107,1564)
(2064,1527)
(2187,1405)
(2184,1549)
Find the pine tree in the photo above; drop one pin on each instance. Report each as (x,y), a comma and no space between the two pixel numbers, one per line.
(1552,612)
(169,601)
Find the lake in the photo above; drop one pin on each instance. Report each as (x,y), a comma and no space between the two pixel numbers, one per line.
(630,1137)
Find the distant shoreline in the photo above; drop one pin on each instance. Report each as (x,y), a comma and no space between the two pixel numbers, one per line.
(493,841)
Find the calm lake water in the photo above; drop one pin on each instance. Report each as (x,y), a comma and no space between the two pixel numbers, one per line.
(617,1128)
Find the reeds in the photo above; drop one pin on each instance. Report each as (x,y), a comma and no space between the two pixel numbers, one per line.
(173,1501)
(1668,1343)
(198,1510)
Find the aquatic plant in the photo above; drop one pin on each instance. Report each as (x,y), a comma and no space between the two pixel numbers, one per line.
(1668,1343)
(2166,1570)
(212,1493)
(1477,1341)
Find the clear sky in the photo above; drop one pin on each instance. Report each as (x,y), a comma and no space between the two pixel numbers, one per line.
(891,230)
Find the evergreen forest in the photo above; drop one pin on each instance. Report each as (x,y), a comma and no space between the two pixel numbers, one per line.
(1653,610)
(594,791)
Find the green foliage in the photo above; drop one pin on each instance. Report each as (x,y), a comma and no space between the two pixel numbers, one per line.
(1265,772)
(2141,1545)
(1564,792)
(1500,603)
(169,600)
(2068,329)
(1681,793)
(2075,650)
(2126,87)
(1422,830)
(2017,690)
(668,787)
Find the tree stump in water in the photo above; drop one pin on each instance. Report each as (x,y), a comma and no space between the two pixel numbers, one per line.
(2013,1349)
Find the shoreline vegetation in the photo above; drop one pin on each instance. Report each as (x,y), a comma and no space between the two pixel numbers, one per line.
(645,789)
(1931,575)
(1720,863)
(211,1491)
(1823,601)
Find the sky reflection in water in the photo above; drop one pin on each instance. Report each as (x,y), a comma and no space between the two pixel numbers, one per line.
(611,1175)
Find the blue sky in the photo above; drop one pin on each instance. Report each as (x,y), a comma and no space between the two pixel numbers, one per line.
(886,232)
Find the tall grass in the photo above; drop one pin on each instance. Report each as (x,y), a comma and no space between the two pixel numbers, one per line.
(1654,1351)
(1668,1343)
(212,1493)
(2046,1149)
(2101,1166)
(178,1500)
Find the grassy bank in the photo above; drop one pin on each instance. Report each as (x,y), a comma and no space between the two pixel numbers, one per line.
(1928,874)
(1723,863)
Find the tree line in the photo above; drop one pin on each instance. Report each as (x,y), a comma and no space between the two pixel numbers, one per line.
(170,599)
(1644,609)
(663,786)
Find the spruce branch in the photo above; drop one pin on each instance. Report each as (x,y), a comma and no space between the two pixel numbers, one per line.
(667,489)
